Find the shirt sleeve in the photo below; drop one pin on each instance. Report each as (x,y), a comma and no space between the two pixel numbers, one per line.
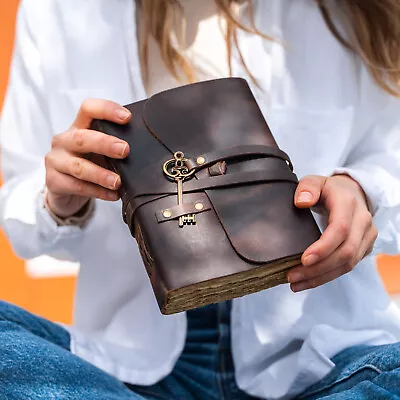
(374,161)
(25,138)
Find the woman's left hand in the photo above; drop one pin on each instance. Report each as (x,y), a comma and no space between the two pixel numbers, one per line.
(348,238)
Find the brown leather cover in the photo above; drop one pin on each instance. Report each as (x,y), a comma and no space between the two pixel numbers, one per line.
(248,232)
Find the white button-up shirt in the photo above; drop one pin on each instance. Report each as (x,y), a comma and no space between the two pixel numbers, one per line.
(324,110)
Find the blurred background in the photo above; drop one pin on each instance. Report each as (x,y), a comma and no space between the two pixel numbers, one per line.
(46,286)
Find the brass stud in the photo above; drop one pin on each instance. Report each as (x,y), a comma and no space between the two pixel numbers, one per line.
(200,160)
(167,214)
(199,206)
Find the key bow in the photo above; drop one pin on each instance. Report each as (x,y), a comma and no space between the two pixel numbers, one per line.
(176,168)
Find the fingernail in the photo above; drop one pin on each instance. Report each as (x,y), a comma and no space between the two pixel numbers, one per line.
(119,148)
(298,287)
(304,197)
(123,114)
(111,181)
(310,260)
(295,277)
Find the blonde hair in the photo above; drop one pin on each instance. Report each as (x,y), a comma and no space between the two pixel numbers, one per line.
(375,33)
(374,24)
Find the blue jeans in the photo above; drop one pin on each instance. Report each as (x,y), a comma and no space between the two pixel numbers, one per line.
(35,363)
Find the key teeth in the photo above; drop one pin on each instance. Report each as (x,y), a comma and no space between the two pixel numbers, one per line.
(189,219)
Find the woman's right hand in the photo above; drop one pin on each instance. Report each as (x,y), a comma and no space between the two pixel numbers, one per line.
(71,179)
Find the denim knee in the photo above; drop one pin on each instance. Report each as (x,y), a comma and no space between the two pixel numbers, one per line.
(9,312)
(34,324)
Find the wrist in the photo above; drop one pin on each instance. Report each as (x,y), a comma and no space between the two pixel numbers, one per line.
(357,187)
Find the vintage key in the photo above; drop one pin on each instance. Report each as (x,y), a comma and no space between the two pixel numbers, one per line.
(177,170)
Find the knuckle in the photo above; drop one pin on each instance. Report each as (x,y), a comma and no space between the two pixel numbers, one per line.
(55,141)
(79,187)
(366,218)
(348,268)
(343,228)
(48,160)
(51,181)
(348,252)
(78,138)
(369,251)
(107,106)
(374,233)
(77,168)
(86,105)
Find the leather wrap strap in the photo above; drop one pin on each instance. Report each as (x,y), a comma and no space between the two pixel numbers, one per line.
(258,151)
(233,179)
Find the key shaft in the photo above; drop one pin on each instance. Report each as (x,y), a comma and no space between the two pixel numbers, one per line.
(179,181)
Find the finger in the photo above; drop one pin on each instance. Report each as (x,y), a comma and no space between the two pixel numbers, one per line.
(62,184)
(309,190)
(341,210)
(82,169)
(302,273)
(100,109)
(367,244)
(85,141)
(350,234)
(363,219)
(346,255)
(318,281)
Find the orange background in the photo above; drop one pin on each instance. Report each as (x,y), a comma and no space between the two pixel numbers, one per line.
(52,297)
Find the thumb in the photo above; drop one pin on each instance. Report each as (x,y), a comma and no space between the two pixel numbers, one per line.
(308,191)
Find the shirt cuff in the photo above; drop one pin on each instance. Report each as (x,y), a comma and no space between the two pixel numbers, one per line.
(27,224)
(80,219)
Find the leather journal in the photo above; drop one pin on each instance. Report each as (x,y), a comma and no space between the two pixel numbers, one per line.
(208,195)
